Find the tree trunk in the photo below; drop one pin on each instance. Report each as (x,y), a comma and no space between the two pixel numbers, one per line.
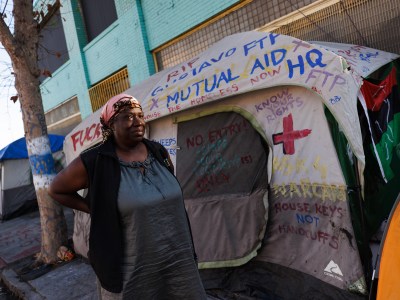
(22,48)
(53,225)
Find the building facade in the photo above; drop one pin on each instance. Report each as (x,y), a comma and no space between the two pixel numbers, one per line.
(93,49)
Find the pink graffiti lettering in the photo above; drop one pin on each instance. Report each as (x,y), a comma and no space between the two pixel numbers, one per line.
(207,182)
(89,134)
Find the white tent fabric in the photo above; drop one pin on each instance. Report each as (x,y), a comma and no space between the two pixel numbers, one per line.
(282,86)
(246,62)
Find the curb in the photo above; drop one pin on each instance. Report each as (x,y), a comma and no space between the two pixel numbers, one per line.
(19,288)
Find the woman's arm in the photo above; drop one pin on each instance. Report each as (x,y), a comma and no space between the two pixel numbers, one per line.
(65,185)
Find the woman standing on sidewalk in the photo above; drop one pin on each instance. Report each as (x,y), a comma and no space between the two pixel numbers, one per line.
(140,243)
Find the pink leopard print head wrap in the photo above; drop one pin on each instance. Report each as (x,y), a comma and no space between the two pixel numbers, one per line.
(112,108)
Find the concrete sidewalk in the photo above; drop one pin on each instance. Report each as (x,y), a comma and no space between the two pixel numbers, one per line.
(19,242)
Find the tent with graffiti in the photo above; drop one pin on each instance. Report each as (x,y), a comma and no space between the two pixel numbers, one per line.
(268,134)
(17,193)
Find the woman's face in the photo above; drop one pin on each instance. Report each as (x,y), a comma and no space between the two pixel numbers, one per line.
(129,126)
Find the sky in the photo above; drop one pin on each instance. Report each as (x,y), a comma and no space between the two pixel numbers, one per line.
(11,126)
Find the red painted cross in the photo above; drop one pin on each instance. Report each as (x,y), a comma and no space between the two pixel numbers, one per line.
(288,135)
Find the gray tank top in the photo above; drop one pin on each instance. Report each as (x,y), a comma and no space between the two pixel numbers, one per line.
(158,257)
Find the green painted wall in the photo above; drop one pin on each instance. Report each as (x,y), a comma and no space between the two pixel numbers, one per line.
(166,19)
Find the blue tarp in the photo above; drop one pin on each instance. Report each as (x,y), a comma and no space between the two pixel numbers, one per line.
(18,150)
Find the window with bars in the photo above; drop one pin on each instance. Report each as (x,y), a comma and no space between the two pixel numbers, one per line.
(109,87)
(372,23)
(64,117)
(253,15)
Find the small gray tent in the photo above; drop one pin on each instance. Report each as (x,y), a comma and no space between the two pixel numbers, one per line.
(17,192)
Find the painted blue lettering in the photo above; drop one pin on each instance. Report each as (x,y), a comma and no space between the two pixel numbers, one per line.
(257,64)
(219,58)
(272,37)
(318,58)
(174,98)
(230,52)
(253,44)
(222,77)
(183,98)
(275,60)
(197,86)
(157,90)
(214,82)
(204,65)
(300,65)
(227,78)
(183,76)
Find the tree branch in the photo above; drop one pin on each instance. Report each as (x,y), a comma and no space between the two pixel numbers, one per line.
(6,38)
(26,34)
